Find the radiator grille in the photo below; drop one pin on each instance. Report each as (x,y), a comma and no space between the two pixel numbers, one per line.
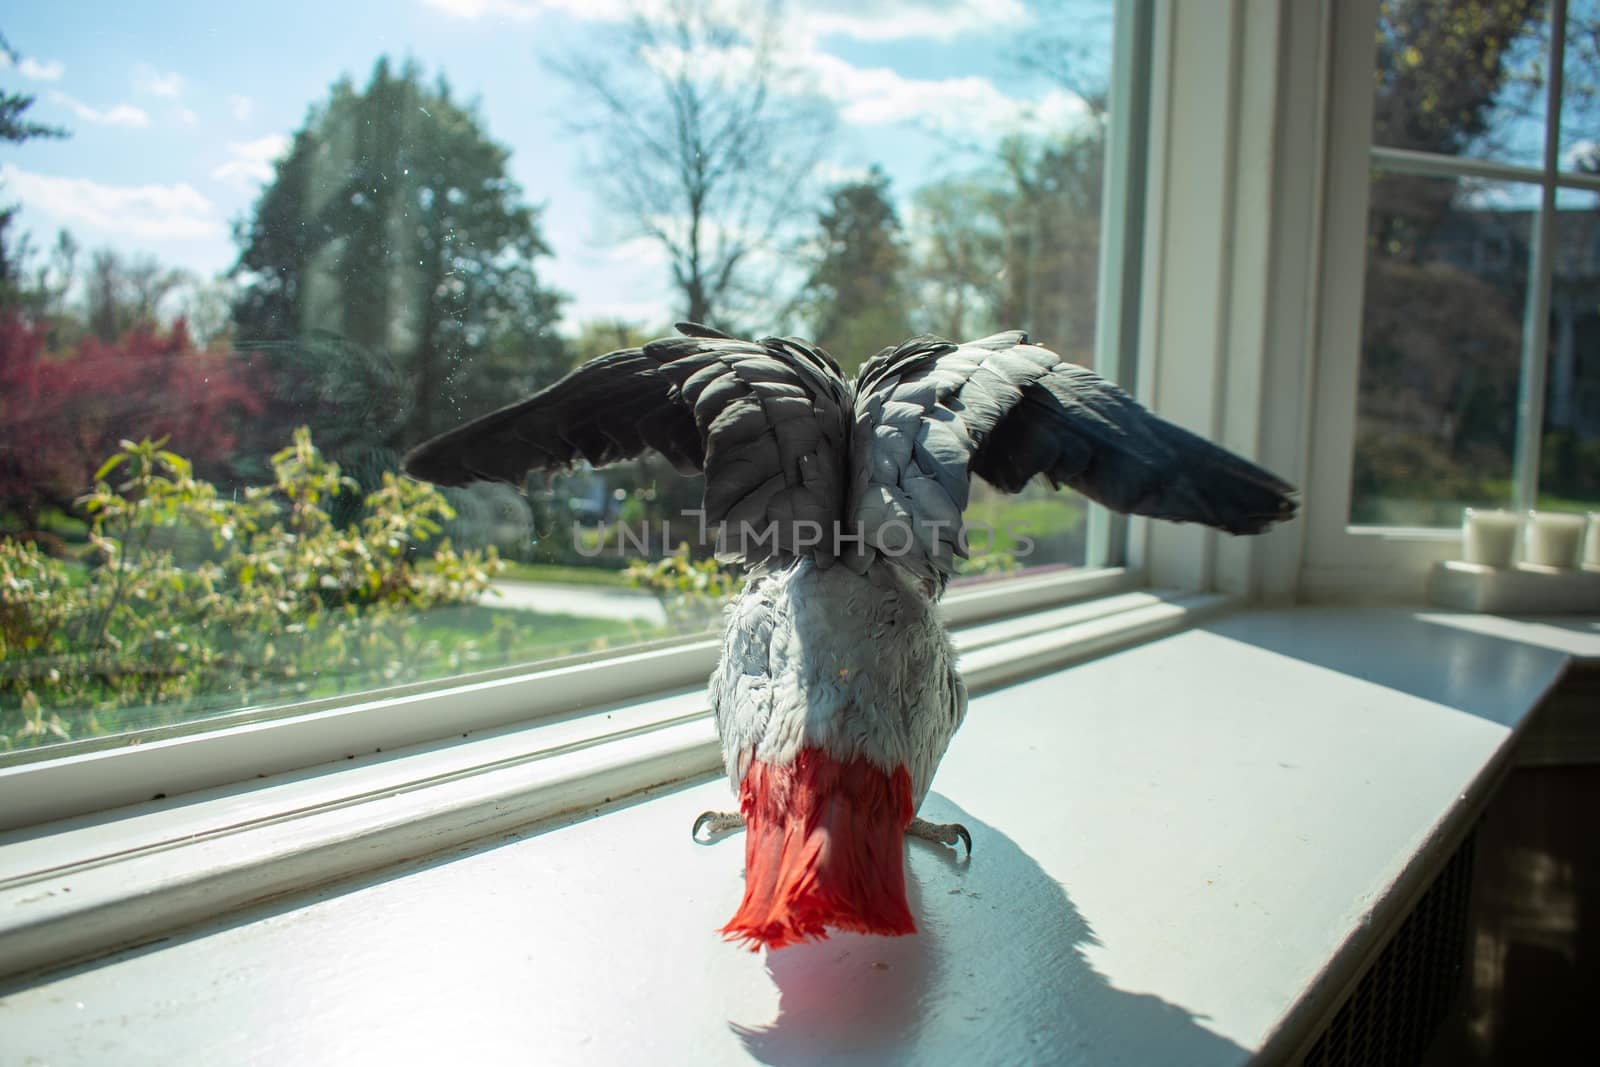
(1395,1009)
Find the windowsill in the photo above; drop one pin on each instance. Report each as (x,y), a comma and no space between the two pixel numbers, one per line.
(1183,852)
(81,778)
(74,887)
(1441,534)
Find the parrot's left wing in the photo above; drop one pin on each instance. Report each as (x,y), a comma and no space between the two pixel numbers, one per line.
(930,413)
(767,421)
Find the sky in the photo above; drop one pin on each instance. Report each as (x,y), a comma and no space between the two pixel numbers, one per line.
(178,109)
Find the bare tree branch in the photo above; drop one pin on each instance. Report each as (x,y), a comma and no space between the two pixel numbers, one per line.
(703,138)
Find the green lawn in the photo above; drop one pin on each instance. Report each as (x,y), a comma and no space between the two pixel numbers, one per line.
(456,639)
(556,572)
(1400,507)
(511,636)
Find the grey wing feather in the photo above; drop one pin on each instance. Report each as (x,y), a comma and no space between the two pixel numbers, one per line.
(930,413)
(766,421)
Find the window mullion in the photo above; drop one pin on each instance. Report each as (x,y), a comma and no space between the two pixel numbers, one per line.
(1122,239)
(1536,313)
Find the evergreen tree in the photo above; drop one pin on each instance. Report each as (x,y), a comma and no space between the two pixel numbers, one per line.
(388,271)
(15,128)
(856,300)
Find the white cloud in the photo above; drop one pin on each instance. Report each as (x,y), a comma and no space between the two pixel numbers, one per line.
(650,314)
(878,96)
(120,115)
(527,10)
(33,69)
(240,107)
(866,20)
(147,79)
(249,163)
(637,251)
(831,174)
(146,212)
(48,71)
(893,20)
(874,96)
(1582,156)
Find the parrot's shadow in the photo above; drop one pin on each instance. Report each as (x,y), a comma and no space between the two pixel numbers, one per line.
(995,974)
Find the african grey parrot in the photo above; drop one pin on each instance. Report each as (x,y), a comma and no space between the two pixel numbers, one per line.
(837,691)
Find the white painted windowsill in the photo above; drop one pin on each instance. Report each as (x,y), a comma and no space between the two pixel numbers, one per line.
(1182,851)
(589,734)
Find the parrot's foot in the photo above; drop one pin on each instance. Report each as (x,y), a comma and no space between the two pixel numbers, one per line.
(720,822)
(943,833)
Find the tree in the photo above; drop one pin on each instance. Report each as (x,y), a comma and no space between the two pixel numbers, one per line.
(15,128)
(595,337)
(392,250)
(959,244)
(855,300)
(1448,72)
(1016,244)
(1441,332)
(43,291)
(121,294)
(62,412)
(704,138)
(1446,78)
(1051,224)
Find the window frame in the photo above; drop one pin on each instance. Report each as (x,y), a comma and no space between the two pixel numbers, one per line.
(1345,561)
(1352,561)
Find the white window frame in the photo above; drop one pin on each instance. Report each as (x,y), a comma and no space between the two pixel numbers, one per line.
(1347,561)
(1234,217)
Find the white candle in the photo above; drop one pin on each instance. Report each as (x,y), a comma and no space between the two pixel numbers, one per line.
(1553,539)
(1489,537)
(1591,542)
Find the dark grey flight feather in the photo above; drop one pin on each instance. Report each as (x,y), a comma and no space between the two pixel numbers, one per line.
(783,439)
(766,421)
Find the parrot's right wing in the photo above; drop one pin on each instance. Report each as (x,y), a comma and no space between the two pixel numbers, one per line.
(766,421)
(930,413)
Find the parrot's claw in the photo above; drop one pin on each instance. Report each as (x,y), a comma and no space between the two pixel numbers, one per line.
(943,833)
(719,821)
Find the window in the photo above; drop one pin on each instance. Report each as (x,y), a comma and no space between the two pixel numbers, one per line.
(235,293)
(1479,374)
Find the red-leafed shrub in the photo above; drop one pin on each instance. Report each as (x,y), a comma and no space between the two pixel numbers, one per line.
(62,413)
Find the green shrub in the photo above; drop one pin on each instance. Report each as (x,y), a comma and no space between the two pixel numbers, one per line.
(692,592)
(285,604)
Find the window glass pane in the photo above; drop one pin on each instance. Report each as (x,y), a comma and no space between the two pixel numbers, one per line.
(272,270)
(1462,78)
(1446,282)
(1569,461)
(1579,148)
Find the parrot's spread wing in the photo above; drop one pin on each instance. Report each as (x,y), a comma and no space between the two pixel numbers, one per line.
(930,413)
(766,421)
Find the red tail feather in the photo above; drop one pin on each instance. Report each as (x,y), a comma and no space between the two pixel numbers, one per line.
(824,850)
